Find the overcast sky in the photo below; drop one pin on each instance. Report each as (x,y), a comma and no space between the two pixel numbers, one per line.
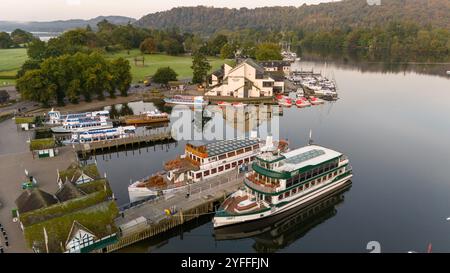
(46,10)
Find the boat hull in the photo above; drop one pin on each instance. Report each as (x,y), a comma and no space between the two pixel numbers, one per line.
(222,221)
(253,228)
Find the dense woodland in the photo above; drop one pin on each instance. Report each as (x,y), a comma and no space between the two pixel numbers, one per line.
(324,16)
(396,30)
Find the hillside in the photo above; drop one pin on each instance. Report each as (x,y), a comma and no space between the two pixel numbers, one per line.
(62,25)
(346,13)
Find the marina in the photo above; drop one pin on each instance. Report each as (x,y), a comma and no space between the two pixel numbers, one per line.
(193,209)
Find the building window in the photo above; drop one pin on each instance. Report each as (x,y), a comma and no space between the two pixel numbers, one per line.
(267,84)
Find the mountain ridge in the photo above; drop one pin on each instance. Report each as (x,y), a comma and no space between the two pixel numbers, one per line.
(62,25)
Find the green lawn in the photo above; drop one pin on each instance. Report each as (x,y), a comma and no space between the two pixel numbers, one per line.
(181,64)
(12,59)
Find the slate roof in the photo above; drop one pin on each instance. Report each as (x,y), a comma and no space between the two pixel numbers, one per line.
(68,191)
(33,199)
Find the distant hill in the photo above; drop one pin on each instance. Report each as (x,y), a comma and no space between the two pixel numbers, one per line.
(62,25)
(346,13)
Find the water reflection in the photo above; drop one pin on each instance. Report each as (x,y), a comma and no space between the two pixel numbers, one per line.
(278,232)
(355,62)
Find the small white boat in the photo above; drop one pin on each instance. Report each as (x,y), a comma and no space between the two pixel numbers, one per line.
(316,101)
(285,102)
(302,102)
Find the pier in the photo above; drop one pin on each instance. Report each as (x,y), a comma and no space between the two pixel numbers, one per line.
(84,149)
(148,219)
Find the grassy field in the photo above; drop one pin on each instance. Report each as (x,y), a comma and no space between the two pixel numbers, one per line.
(181,64)
(12,59)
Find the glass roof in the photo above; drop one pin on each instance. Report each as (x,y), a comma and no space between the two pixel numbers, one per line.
(304,156)
(225,146)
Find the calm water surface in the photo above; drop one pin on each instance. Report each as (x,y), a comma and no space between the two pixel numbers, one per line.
(395,128)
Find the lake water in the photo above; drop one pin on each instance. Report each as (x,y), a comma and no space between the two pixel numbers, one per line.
(395,128)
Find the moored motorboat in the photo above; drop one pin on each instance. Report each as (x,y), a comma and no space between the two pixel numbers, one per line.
(302,102)
(316,101)
(146,118)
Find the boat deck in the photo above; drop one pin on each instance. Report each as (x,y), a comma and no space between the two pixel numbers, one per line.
(241,204)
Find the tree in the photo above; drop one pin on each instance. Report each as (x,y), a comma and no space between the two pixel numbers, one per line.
(121,76)
(5,40)
(173,47)
(28,65)
(35,86)
(268,51)
(4,96)
(148,46)
(164,75)
(228,51)
(37,49)
(20,36)
(200,67)
(216,44)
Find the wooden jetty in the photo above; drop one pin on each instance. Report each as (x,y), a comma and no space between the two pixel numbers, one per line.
(129,142)
(147,219)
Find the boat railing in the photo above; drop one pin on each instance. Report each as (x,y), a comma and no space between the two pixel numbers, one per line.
(259,185)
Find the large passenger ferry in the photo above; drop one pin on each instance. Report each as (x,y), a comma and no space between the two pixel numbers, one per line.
(200,161)
(280,182)
(55,117)
(102,135)
(77,125)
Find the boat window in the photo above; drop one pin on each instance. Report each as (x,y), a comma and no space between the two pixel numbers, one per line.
(280,197)
(220,168)
(206,173)
(213,171)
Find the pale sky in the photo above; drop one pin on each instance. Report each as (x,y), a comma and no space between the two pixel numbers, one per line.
(48,10)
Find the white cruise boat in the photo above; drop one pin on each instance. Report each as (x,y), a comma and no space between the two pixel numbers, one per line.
(55,117)
(187,100)
(200,161)
(77,125)
(102,135)
(280,182)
